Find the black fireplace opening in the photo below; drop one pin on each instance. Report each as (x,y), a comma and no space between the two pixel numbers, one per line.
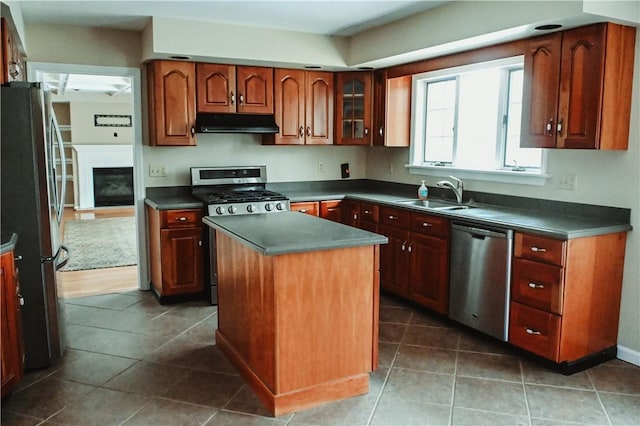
(113,186)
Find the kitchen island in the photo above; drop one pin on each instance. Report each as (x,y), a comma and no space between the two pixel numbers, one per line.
(298,304)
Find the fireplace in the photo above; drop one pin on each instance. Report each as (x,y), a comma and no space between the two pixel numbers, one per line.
(113,186)
(89,159)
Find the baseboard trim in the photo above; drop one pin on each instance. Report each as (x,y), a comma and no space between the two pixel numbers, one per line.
(629,355)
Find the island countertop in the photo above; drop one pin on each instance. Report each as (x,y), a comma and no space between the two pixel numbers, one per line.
(291,232)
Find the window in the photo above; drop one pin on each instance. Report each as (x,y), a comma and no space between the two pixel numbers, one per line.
(468,118)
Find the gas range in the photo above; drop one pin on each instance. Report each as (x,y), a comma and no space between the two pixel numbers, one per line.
(235,191)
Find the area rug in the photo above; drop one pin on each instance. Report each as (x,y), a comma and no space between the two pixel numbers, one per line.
(100,243)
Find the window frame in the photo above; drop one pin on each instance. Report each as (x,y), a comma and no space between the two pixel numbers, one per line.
(503,173)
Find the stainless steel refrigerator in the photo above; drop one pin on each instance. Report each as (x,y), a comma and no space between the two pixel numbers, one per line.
(32,195)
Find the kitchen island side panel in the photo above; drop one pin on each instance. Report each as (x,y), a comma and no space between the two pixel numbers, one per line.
(246,315)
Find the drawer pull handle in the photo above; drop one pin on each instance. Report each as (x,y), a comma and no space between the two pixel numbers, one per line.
(426,224)
(536,285)
(17,258)
(538,249)
(391,217)
(532,332)
(303,210)
(331,209)
(182,219)
(367,212)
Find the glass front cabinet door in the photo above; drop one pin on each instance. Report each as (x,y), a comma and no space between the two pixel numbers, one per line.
(354,108)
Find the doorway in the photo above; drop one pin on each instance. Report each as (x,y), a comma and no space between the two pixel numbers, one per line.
(107,87)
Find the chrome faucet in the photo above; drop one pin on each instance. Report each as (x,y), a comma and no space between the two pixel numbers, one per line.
(457,189)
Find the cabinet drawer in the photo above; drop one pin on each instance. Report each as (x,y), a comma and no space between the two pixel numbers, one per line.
(430,225)
(394,217)
(538,284)
(534,330)
(180,218)
(539,248)
(369,213)
(308,207)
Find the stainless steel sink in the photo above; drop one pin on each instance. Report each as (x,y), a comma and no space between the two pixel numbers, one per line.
(435,205)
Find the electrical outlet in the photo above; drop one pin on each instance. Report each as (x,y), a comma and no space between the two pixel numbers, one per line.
(157,170)
(320,167)
(568,181)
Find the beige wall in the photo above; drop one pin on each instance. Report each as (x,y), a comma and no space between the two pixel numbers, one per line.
(84,132)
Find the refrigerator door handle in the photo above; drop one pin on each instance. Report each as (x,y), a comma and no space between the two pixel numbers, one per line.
(55,130)
(61,264)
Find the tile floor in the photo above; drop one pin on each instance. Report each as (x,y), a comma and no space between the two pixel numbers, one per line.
(131,361)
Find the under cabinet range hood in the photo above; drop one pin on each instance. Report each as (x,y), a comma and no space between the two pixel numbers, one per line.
(236,123)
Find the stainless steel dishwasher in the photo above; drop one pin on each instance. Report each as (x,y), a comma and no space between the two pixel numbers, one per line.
(480,272)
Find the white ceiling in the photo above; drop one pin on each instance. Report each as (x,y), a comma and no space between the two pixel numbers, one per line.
(330,17)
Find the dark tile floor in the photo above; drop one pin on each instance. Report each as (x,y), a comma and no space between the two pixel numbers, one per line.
(131,361)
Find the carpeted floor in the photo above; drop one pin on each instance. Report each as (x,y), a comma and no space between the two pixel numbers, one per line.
(100,243)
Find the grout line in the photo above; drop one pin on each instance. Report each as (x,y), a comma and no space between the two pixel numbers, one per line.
(455,380)
(524,389)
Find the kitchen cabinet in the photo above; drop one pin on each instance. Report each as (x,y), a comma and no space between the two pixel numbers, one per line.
(11,350)
(392,110)
(565,295)
(415,263)
(308,207)
(231,89)
(354,103)
(369,216)
(577,88)
(350,213)
(303,108)
(172,103)
(331,210)
(12,67)
(176,252)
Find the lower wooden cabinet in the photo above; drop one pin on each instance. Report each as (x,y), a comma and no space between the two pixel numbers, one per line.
(11,349)
(565,295)
(176,252)
(308,207)
(331,210)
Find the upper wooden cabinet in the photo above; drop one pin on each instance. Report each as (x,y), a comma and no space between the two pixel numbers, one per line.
(230,89)
(354,104)
(303,107)
(172,103)
(577,88)
(12,67)
(391,110)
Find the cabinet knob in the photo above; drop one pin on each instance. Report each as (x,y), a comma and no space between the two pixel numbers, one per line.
(308,130)
(18,258)
(301,131)
(532,331)
(182,219)
(193,130)
(381,131)
(426,224)
(303,210)
(536,285)
(404,246)
(233,98)
(355,216)
(538,249)
(20,299)
(549,127)
(241,98)
(391,217)
(559,127)
(410,248)
(366,131)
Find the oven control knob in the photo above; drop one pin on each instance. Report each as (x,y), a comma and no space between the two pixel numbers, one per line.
(268,207)
(279,206)
(233,209)
(219,210)
(251,208)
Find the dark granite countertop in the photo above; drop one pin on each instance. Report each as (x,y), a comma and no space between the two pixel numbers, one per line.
(9,241)
(291,232)
(554,219)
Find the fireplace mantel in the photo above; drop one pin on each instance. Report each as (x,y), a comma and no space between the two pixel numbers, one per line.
(88,157)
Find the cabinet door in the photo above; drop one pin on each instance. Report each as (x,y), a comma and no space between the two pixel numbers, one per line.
(172,103)
(397,128)
(319,108)
(350,211)
(182,259)
(541,86)
(394,261)
(216,88)
(289,107)
(429,277)
(11,347)
(379,109)
(581,73)
(255,90)
(354,105)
